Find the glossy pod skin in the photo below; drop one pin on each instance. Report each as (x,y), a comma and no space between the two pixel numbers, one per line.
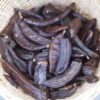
(20,79)
(66,77)
(32,35)
(43,23)
(65,55)
(23,42)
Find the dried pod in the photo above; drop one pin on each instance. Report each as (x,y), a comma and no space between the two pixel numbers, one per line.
(44,34)
(24,54)
(89,38)
(43,23)
(54,54)
(50,11)
(20,79)
(26,13)
(63,93)
(89,79)
(66,77)
(84,48)
(32,35)
(40,74)
(17,61)
(65,55)
(23,42)
(75,26)
(11,80)
(79,52)
(56,29)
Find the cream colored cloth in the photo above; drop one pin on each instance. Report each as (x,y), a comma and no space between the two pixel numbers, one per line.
(88,7)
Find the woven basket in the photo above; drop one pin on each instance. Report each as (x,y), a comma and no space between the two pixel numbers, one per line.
(88,7)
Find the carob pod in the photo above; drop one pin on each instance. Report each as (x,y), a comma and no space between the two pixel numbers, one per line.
(26,13)
(24,54)
(63,93)
(41,56)
(23,42)
(88,26)
(95,39)
(89,38)
(78,51)
(20,79)
(75,25)
(84,48)
(50,11)
(30,67)
(11,80)
(54,52)
(40,74)
(74,28)
(79,16)
(66,77)
(43,23)
(20,64)
(66,21)
(43,33)
(89,68)
(89,79)
(32,35)
(65,55)
(56,28)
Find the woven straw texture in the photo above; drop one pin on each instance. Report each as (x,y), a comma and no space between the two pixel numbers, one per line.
(88,7)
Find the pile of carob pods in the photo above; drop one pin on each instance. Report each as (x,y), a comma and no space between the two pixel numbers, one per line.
(50,51)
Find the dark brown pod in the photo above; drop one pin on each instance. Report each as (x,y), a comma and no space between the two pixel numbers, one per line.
(20,79)
(11,80)
(56,29)
(65,55)
(26,13)
(21,65)
(79,16)
(54,54)
(84,48)
(88,41)
(23,42)
(89,79)
(75,26)
(77,51)
(43,23)
(32,35)
(24,54)
(94,40)
(63,93)
(44,34)
(50,11)
(40,74)
(66,77)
